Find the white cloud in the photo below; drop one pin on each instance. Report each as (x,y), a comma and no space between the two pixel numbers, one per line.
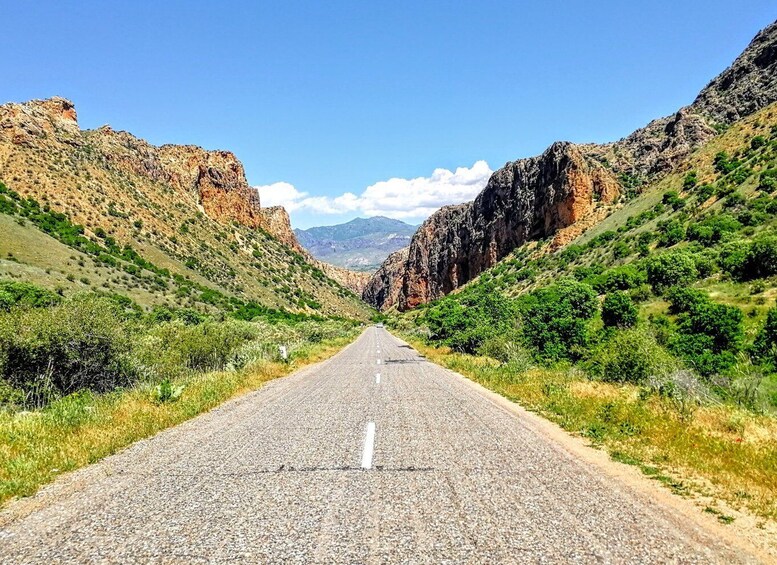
(396,197)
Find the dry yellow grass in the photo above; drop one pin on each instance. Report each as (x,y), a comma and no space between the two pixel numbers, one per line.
(714,453)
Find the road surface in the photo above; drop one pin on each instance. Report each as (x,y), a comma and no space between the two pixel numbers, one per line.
(374,456)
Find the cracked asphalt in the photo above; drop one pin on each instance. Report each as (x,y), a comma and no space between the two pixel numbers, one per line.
(276,477)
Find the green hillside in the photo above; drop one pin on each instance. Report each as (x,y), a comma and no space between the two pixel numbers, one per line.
(655,332)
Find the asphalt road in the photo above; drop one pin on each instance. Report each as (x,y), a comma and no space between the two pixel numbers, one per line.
(287,474)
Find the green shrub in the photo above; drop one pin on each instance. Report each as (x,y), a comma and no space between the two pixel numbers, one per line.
(709,336)
(761,258)
(713,229)
(172,348)
(683,299)
(705,191)
(620,250)
(25,294)
(672,198)
(618,310)
(706,263)
(672,233)
(765,345)
(690,180)
(507,348)
(463,322)
(732,257)
(670,269)
(632,356)
(555,319)
(723,164)
(624,277)
(79,344)
(758,141)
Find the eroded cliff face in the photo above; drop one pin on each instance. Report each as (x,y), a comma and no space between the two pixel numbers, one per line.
(568,188)
(524,200)
(122,184)
(385,286)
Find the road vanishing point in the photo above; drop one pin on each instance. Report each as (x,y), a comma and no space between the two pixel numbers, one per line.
(373,456)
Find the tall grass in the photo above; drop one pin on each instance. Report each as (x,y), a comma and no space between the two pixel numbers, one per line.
(714,449)
(81,428)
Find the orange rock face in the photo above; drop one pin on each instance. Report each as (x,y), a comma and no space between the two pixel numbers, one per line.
(213,181)
(525,200)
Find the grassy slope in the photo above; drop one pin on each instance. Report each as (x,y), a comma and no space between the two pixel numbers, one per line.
(28,254)
(166,226)
(742,294)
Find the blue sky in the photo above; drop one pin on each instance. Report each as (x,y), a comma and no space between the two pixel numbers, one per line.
(329,99)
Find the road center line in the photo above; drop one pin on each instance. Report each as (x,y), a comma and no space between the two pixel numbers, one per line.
(377,378)
(369,446)
(378,361)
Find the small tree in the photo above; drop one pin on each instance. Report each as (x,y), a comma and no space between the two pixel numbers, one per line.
(670,269)
(765,344)
(618,310)
(555,319)
(761,259)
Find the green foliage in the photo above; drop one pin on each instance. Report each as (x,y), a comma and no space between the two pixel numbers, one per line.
(171,348)
(25,294)
(672,198)
(555,319)
(466,321)
(669,269)
(672,232)
(620,250)
(732,257)
(79,344)
(713,228)
(705,191)
(761,258)
(709,335)
(690,180)
(166,391)
(618,310)
(765,345)
(623,277)
(631,357)
(758,141)
(683,299)
(724,164)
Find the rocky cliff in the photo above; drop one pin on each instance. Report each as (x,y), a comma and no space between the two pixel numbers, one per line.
(385,286)
(567,188)
(524,200)
(189,208)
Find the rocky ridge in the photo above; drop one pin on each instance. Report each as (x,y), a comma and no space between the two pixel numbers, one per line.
(568,188)
(193,205)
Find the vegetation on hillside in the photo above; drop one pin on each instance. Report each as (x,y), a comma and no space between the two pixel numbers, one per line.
(84,375)
(136,270)
(660,321)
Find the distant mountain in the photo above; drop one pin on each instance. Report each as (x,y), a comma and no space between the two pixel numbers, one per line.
(359,245)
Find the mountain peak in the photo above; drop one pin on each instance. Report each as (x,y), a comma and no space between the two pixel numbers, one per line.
(749,84)
(359,244)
